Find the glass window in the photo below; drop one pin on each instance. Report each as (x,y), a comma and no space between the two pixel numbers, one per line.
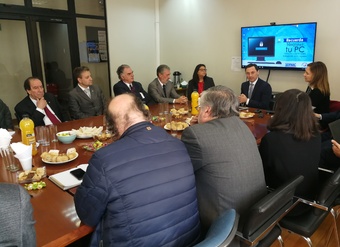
(13,2)
(92,7)
(50,4)
(15,65)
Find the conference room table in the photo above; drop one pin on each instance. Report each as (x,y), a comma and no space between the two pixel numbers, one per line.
(57,223)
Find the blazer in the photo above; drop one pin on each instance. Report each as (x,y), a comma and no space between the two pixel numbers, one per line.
(5,117)
(261,96)
(208,82)
(81,106)
(16,221)
(330,117)
(26,106)
(155,90)
(319,100)
(120,88)
(227,164)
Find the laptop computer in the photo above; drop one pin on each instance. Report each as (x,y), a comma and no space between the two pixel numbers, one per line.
(335,130)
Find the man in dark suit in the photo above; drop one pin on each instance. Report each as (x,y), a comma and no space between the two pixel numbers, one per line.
(161,88)
(86,99)
(255,92)
(43,108)
(128,85)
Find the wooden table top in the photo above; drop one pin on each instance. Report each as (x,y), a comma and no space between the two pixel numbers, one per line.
(57,223)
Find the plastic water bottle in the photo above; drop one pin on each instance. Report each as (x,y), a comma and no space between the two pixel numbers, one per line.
(27,133)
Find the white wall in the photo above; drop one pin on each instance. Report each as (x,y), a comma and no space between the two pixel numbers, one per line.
(208,31)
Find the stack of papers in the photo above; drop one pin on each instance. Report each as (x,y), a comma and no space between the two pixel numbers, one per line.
(65,180)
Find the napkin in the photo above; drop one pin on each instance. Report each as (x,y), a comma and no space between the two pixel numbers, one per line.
(5,138)
(21,150)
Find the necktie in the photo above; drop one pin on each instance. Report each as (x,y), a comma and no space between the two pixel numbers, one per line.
(132,88)
(164,91)
(87,91)
(250,91)
(51,116)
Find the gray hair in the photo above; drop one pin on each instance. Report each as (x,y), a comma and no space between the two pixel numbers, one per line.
(222,100)
(161,68)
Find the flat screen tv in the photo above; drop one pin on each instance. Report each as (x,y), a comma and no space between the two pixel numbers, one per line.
(284,46)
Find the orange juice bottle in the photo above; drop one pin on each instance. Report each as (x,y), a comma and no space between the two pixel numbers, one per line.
(194,103)
(27,133)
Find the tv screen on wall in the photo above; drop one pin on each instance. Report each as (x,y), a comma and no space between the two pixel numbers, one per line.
(284,46)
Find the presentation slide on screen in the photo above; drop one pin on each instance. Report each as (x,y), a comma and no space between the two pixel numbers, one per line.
(284,46)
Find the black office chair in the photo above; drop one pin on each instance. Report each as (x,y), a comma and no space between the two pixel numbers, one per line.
(308,222)
(222,230)
(261,222)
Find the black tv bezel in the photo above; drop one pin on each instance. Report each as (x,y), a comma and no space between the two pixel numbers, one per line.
(284,24)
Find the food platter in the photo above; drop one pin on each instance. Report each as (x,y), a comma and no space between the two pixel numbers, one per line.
(247,114)
(87,132)
(182,126)
(92,148)
(34,175)
(60,162)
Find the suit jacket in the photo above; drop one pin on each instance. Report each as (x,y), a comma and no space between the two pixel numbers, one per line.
(227,164)
(5,117)
(155,90)
(26,106)
(81,106)
(120,88)
(330,117)
(208,82)
(261,96)
(16,221)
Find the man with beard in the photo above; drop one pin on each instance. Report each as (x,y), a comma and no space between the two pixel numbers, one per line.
(139,190)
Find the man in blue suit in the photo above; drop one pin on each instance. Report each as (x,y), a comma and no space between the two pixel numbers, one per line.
(255,92)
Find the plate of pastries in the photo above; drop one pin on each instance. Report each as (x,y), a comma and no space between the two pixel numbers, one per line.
(55,157)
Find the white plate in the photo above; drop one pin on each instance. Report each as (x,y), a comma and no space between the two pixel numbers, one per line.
(61,162)
(84,136)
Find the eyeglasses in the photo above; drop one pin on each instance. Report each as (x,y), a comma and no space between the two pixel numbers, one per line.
(198,108)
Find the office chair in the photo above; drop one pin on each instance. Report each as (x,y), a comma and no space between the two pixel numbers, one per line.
(222,230)
(308,222)
(261,221)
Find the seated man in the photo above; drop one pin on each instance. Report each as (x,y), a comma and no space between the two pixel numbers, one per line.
(139,190)
(161,88)
(43,108)
(86,99)
(16,217)
(255,92)
(128,85)
(5,117)
(226,160)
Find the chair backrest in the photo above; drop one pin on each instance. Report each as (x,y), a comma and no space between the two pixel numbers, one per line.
(330,190)
(334,105)
(269,210)
(222,230)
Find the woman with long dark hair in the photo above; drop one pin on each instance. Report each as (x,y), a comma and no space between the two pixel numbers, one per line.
(200,81)
(293,145)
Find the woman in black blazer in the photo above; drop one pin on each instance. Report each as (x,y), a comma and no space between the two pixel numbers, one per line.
(200,81)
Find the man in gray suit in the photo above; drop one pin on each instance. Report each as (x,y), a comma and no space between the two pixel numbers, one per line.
(161,88)
(86,99)
(16,217)
(227,164)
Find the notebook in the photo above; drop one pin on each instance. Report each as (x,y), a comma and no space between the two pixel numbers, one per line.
(65,180)
(335,130)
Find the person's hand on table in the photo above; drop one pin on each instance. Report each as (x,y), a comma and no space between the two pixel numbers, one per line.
(181,100)
(242,98)
(336,148)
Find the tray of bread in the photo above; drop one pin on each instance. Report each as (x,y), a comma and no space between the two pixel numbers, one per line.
(55,157)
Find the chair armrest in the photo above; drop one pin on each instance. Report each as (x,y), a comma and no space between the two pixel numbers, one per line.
(312,203)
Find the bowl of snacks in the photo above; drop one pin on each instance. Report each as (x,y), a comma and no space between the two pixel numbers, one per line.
(103,136)
(66,137)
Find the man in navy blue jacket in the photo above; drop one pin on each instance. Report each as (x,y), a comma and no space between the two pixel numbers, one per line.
(139,190)
(255,92)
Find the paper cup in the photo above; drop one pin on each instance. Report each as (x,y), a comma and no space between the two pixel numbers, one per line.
(26,163)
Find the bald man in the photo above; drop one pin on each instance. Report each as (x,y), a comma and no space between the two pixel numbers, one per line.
(139,190)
